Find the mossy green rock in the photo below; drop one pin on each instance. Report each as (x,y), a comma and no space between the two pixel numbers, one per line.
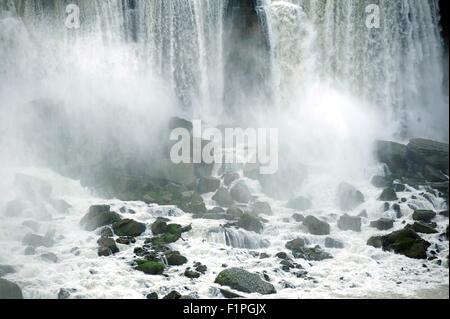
(242,280)
(150,267)
(98,216)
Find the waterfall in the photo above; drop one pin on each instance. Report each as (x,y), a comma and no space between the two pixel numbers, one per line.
(397,67)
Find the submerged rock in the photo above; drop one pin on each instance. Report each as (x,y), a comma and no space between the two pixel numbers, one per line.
(159,226)
(300,203)
(242,280)
(191,274)
(150,267)
(388,195)
(241,193)
(383,224)
(98,216)
(348,197)
(223,198)
(405,242)
(316,226)
(298,217)
(65,293)
(347,222)
(295,244)
(128,227)
(425,216)
(174,258)
(9,290)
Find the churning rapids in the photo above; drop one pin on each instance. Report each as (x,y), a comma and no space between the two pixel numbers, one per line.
(92,207)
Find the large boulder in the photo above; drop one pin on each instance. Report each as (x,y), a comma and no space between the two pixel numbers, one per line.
(150,267)
(223,198)
(405,242)
(393,155)
(425,216)
(388,195)
(382,224)
(208,185)
(262,208)
(300,203)
(347,222)
(9,290)
(174,258)
(316,226)
(430,158)
(98,216)
(250,223)
(423,229)
(348,197)
(107,246)
(128,227)
(242,280)
(159,226)
(241,193)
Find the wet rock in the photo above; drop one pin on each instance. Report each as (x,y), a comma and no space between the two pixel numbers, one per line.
(429,157)
(6,269)
(217,210)
(174,258)
(262,208)
(347,222)
(150,267)
(298,217)
(386,207)
(405,242)
(388,195)
(126,240)
(106,232)
(65,293)
(393,155)
(15,208)
(316,226)
(190,202)
(399,187)
(241,193)
(50,257)
(98,216)
(159,226)
(128,227)
(300,203)
(35,241)
(348,197)
(9,290)
(425,216)
(282,255)
(191,274)
(208,185)
(296,244)
(229,178)
(107,247)
(223,198)
(381,182)
(200,267)
(311,254)
(152,296)
(214,216)
(235,212)
(242,280)
(228,294)
(397,209)
(383,224)
(333,243)
(423,229)
(173,295)
(444,213)
(250,223)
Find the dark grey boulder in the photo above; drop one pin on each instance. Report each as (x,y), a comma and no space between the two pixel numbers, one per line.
(128,227)
(262,208)
(250,223)
(66,293)
(174,258)
(107,247)
(241,193)
(347,222)
(311,254)
(425,216)
(296,244)
(316,226)
(242,280)
(159,226)
(223,198)
(388,195)
(423,228)
(348,197)
(173,295)
(383,224)
(152,296)
(393,155)
(9,290)
(98,216)
(300,203)
(444,213)
(207,185)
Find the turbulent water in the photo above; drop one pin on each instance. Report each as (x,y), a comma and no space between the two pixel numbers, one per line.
(331,85)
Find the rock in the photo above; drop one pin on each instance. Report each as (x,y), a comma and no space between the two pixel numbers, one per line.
(107,246)
(242,280)
(383,224)
(50,257)
(425,154)
(296,244)
(150,267)
(333,243)
(444,213)
(393,155)
(235,212)
(316,226)
(174,258)
(191,274)
(348,197)
(208,185)
(312,254)
(399,188)
(35,241)
(9,290)
(106,232)
(223,198)
(217,210)
(200,268)
(214,216)
(159,226)
(15,208)
(228,294)
(65,293)
(152,296)
(98,216)
(262,208)
(388,195)
(250,223)
(229,178)
(363,214)
(282,255)
(405,242)
(126,240)
(128,227)
(347,222)
(422,228)
(29,251)
(241,193)
(6,269)
(425,216)
(381,182)
(173,295)
(386,207)
(300,203)
(298,217)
